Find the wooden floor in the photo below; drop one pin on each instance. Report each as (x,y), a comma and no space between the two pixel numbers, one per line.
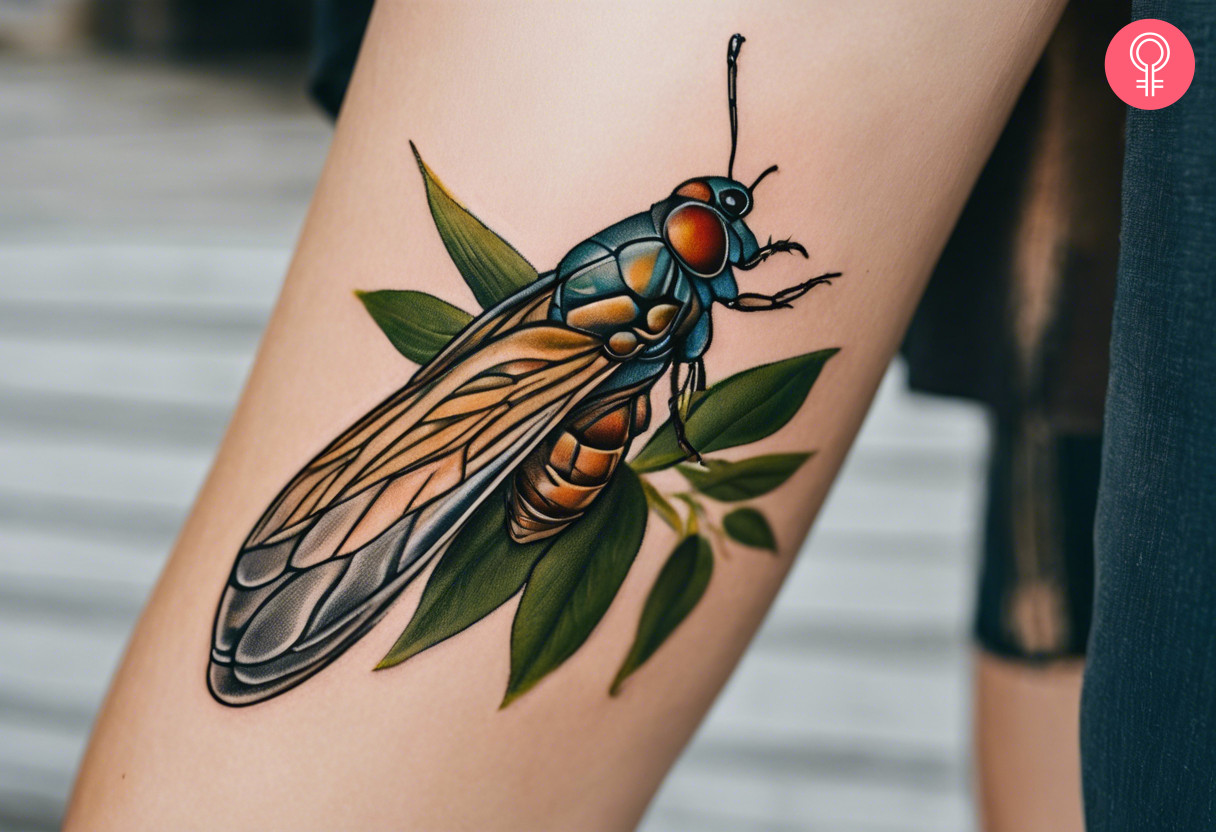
(146,217)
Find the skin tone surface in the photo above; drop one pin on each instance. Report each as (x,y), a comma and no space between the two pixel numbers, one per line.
(1028,761)
(552,122)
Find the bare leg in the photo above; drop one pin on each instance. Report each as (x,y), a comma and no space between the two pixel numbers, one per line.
(1027,745)
(552,121)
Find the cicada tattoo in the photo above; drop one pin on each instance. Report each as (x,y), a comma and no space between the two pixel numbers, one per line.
(542,393)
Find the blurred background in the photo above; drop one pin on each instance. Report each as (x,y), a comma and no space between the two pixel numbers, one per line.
(156,160)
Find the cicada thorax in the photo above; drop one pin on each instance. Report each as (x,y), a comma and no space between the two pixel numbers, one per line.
(623,285)
(562,477)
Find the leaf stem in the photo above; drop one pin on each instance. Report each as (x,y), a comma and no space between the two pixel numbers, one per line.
(698,516)
(694,508)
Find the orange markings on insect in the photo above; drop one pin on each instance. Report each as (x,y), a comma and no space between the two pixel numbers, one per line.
(622,343)
(560,496)
(610,430)
(641,414)
(508,371)
(698,236)
(658,318)
(638,270)
(619,310)
(695,190)
(554,342)
(595,466)
(564,452)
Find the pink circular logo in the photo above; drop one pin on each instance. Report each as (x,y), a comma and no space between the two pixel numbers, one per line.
(1150,64)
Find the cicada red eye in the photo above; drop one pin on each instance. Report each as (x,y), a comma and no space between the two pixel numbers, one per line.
(698,236)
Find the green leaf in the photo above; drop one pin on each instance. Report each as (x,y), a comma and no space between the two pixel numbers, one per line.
(417,324)
(489,264)
(731,482)
(679,587)
(660,505)
(481,570)
(742,409)
(748,526)
(574,583)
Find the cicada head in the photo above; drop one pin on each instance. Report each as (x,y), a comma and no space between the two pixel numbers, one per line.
(704,225)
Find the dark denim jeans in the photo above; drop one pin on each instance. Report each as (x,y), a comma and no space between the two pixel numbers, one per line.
(1149,704)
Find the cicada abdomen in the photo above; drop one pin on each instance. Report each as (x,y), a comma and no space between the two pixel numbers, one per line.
(562,477)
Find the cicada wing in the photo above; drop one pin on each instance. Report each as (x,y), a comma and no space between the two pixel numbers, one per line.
(305,492)
(349,533)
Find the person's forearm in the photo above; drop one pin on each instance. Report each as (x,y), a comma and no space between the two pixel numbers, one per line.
(550,123)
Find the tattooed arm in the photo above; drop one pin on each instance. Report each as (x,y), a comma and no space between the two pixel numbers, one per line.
(482,504)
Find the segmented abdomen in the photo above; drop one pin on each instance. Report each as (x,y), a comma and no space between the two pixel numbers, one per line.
(563,476)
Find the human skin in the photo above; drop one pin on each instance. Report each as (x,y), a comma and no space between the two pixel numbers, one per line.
(1027,721)
(552,121)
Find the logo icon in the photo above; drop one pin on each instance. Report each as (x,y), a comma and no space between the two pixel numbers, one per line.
(1150,64)
(1150,83)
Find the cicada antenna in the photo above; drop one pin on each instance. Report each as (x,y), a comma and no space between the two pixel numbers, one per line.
(732,74)
(767,171)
